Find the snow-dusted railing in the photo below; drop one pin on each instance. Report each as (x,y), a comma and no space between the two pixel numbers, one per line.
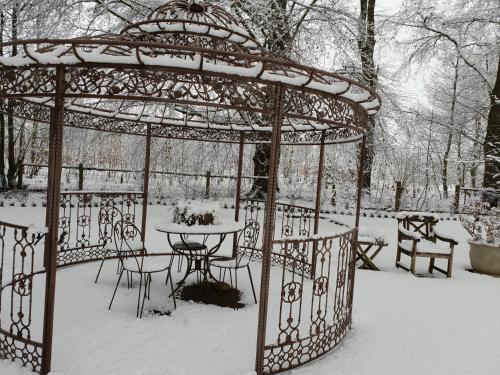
(317,280)
(315,315)
(20,263)
(290,220)
(87,219)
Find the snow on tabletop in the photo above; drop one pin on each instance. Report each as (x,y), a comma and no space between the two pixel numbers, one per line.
(199,207)
(372,234)
(221,227)
(420,215)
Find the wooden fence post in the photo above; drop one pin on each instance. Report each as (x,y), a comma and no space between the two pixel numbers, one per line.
(80,176)
(399,194)
(334,195)
(207,186)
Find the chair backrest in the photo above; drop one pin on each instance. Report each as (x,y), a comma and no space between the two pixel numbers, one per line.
(128,239)
(247,241)
(109,215)
(423,225)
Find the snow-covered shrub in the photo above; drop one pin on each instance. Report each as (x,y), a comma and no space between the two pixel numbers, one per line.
(483,224)
(196,212)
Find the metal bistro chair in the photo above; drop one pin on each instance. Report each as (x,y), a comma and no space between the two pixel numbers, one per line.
(132,262)
(186,245)
(247,241)
(108,217)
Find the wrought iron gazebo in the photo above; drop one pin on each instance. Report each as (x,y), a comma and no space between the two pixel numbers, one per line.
(188,72)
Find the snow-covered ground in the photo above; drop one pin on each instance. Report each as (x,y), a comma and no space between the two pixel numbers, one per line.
(402,324)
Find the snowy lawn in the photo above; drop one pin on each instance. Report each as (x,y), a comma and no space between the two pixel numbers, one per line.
(402,324)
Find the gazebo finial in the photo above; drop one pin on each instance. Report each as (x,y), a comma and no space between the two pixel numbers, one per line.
(197,6)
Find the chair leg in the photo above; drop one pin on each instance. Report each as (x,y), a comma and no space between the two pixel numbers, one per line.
(147,285)
(171,286)
(139,298)
(231,277)
(179,263)
(236,278)
(398,257)
(116,287)
(450,265)
(251,283)
(413,264)
(100,267)
(431,265)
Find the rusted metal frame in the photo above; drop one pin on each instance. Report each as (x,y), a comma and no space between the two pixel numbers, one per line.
(331,335)
(163,100)
(317,207)
(360,181)
(145,197)
(53,199)
(237,203)
(208,52)
(184,32)
(354,243)
(269,226)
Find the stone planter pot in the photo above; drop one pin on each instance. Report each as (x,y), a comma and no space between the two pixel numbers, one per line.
(485,258)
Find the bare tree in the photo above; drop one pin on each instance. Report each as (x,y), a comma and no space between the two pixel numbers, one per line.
(471,30)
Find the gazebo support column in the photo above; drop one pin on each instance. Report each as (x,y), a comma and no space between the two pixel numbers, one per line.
(358,214)
(52,218)
(238,189)
(145,192)
(317,207)
(269,226)
(360,180)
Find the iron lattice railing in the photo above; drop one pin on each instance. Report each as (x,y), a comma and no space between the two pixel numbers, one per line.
(21,255)
(311,303)
(82,233)
(315,292)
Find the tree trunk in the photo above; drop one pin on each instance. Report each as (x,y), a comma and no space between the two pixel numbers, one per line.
(366,46)
(450,133)
(3,178)
(278,42)
(492,139)
(11,145)
(477,152)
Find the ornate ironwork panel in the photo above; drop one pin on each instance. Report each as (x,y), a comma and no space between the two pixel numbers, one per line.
(27,81)
(315,314)
(87,220)
(174,87)
(302,104)
(18,274)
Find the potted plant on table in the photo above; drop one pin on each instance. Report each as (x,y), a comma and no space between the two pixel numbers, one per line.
(196,213)
(484,227)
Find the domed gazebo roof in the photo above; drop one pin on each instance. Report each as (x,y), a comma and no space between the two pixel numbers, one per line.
(189,71)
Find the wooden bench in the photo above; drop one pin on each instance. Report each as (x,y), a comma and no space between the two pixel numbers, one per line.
(424,244)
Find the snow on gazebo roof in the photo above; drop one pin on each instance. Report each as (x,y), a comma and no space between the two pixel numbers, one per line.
(189,71)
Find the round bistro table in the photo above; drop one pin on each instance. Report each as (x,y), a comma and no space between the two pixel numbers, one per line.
(198,254)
